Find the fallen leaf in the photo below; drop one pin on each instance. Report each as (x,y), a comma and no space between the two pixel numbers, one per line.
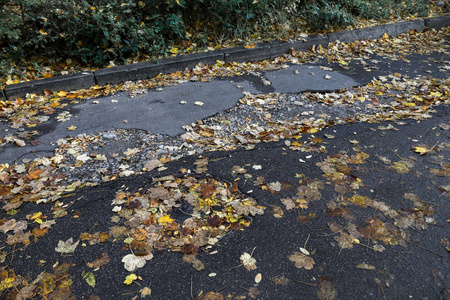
(99,261)
(211,296)
(130,278)
(145,292)
(421,150)
(133,262)
(365,266)
(248,261)
(196,263)
(67,246)
(302,260)
(72,128)
(327,289)
(131,152)
(89,277)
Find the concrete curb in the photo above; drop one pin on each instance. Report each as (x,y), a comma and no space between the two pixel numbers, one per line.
(146,70)
(438,22)
(66,82)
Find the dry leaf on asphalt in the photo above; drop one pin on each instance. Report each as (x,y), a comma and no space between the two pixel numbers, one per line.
(67,246)
(302,260)
(248,261)
(133,262)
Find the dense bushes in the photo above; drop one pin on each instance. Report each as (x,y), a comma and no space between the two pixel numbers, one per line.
(100,31)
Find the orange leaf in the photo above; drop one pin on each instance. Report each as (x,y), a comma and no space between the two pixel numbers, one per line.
(35,174)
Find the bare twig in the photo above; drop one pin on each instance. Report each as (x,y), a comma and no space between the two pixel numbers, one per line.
(222,288)
(311,284)
(192,294)
(426,249)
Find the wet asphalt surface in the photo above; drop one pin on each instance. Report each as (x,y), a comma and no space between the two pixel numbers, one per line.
(421,270)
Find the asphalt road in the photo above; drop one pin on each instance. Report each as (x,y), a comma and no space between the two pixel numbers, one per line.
(370,212)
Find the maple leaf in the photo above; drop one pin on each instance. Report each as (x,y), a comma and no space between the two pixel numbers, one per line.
(196,263)
(345,240)
(302,260)
(67,246)
(131,152)
(133,262)
(152,164)
(288,202)
(275,186)
(327,289)
(145,292)
(248,261)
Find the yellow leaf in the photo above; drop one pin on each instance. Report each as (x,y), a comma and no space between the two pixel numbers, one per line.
(130,278)
(365,266)
(72,128)
(42,32)
(421,150)
(62,94)
(343,62)
(89,277)
(250,46)
(174,50)
(164,220)
(385,36)
(436,94)
(362,99)
(409,104)
(145,292)
(36,215)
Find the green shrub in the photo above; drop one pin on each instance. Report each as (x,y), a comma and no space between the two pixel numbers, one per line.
(100,31)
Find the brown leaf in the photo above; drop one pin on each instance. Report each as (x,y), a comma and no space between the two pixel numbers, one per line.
(345,240)
(211,296)
(327,289)
(99,261)
(195,262)
(302,260)
(280,280)
(253,292)
(35,174)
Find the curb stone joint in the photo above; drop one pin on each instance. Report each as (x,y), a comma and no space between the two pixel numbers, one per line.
(146,70)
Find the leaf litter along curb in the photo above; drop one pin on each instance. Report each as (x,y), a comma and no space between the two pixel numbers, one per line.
(392,97)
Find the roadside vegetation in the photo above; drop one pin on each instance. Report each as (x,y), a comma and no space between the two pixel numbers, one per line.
(40,39)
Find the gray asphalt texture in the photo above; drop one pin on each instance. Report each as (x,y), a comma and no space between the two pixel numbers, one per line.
(414,272)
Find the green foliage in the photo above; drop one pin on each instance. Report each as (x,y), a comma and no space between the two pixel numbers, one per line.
(100,31)
(325,14)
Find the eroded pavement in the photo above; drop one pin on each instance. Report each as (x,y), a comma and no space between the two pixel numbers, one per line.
(314,175)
